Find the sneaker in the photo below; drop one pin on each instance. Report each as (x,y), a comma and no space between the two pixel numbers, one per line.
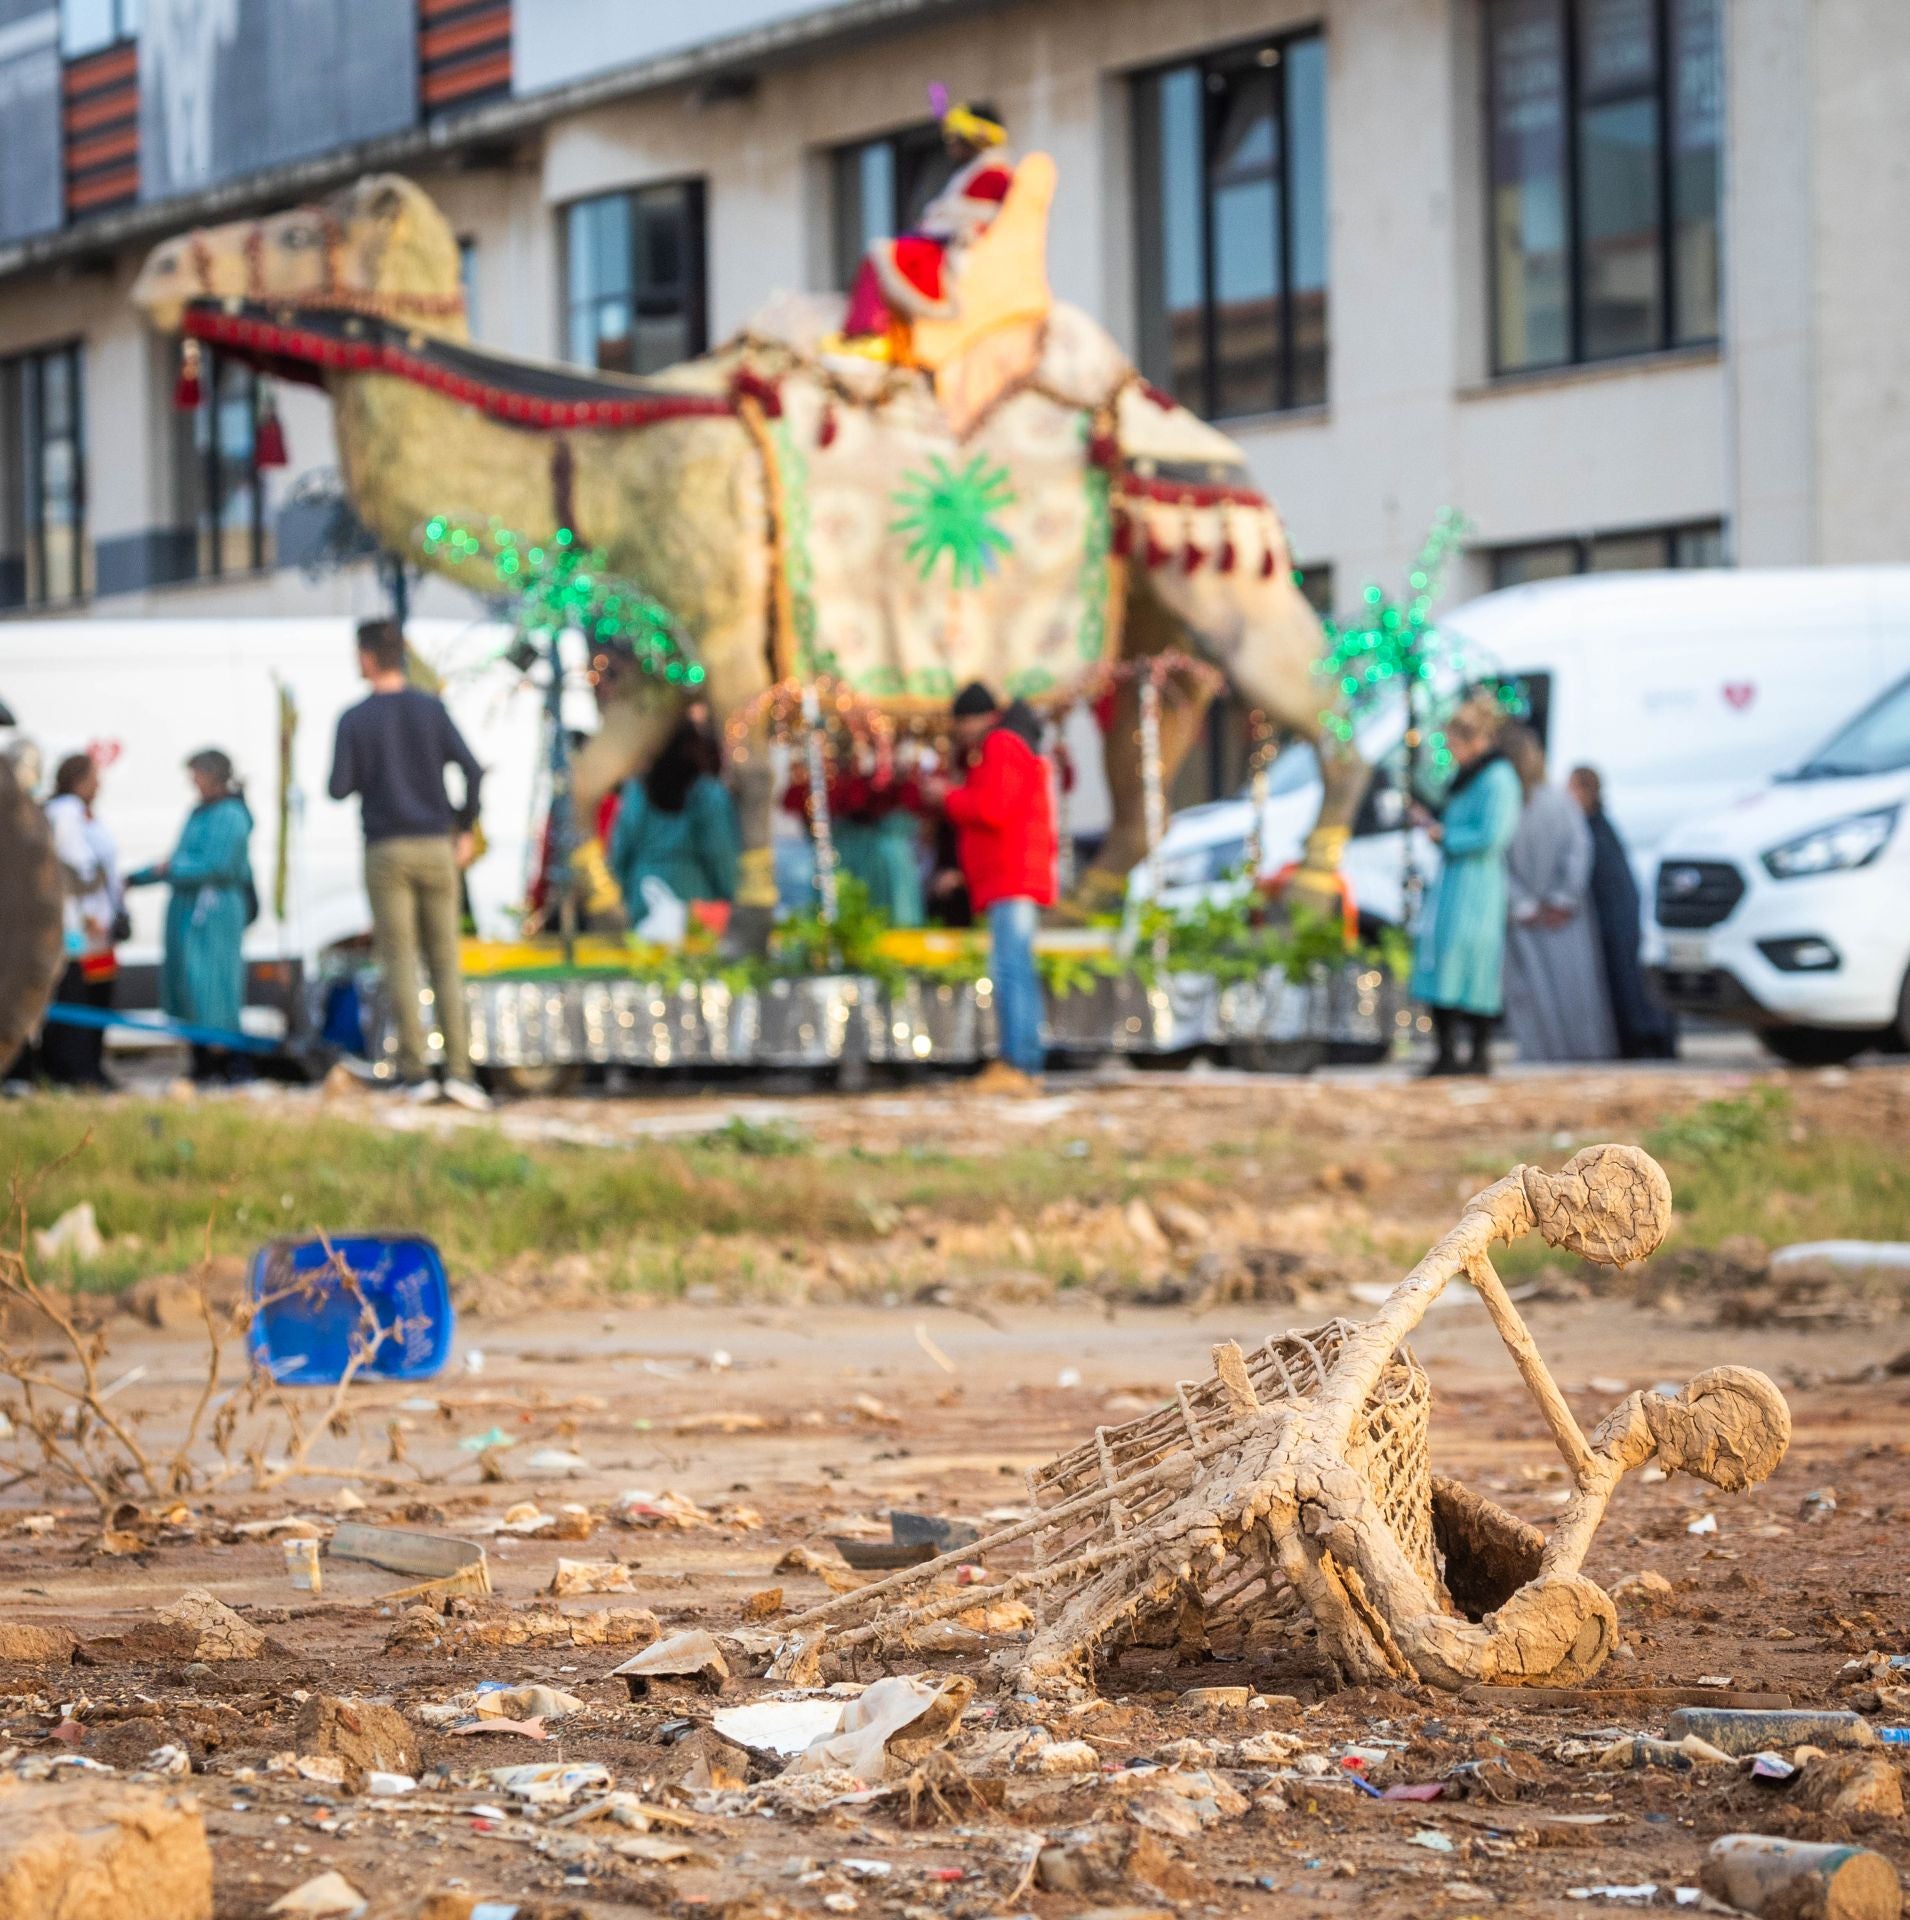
(427,1093)
(998,1077)
(468,1095)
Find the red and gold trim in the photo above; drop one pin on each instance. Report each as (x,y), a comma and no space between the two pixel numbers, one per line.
(460,374)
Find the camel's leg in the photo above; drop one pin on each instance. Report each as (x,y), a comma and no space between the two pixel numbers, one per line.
(1266,639)
(1103,885)
(630,729)
(1147,628)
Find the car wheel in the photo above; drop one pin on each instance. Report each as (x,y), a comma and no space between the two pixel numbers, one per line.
(1817,1046)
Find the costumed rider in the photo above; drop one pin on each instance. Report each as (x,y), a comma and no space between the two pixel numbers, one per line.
(912,276)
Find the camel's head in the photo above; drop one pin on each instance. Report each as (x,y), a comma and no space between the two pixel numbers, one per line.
(380,246)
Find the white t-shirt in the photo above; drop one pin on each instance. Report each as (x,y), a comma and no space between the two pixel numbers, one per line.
(87,852)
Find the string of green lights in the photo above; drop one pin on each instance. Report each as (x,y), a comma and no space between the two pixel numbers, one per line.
(555,585)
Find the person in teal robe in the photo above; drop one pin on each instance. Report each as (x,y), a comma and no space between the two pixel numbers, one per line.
(677,824)
(1460,961)
(875,823)
(202,971)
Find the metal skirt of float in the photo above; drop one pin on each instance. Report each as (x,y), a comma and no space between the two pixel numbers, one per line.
(818,1022)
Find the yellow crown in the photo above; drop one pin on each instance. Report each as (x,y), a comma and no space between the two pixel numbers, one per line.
(966,124)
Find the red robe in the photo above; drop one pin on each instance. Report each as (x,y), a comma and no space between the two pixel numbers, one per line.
(908,277)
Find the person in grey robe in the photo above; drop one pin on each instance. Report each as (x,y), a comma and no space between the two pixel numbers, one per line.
(1556,1003)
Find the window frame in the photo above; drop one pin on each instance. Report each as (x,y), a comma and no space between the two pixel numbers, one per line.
(1207,63)
(1583,544)
(695,188)
(209,465)
(25,441)
(1663,94)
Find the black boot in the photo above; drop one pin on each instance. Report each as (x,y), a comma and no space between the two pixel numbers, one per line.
(1480,1025)
(1445,1038)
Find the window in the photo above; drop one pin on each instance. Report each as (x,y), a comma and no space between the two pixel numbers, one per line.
(88,25)
(1698,545)
(1606,119)
(1230,176)
(44,557)
(221,490)
(881,186)
(635,263)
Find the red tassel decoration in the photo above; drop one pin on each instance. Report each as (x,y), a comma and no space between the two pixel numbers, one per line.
(1157,555)
(268,446)
(1227,558)
(1123,536)
(1266,563)
(1165,401)
(745,385)
(1104,451)
(186,391)
(1192,557)
(826,432)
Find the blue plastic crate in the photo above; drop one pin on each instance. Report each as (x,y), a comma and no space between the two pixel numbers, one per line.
(304,1338)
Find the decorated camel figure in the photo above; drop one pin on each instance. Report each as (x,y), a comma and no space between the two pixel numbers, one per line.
(1293,1489)
(1012,504)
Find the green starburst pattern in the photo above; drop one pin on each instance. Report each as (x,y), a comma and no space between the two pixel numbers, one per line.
(952,512)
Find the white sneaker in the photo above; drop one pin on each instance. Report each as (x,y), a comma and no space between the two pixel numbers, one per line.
(468,1095)
(427,1093)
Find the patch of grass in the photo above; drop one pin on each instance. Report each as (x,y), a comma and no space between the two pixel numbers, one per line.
(158,1173)
(1720,1129)
(768,1140)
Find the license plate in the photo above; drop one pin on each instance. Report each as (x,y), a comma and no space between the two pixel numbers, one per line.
(1687,952)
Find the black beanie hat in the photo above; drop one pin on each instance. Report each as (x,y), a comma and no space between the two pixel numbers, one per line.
(973,701)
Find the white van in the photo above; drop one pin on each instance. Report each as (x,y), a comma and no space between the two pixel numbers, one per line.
(143,694)
(1790,911)
(1683,689)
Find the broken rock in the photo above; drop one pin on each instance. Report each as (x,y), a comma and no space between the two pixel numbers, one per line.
(535,1626)
(217,1632)
(1849,1783)
(367,1737)
(21,1640)
(97,1847)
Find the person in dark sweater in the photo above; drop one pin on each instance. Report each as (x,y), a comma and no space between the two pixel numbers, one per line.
(392,750)
(1646,1028)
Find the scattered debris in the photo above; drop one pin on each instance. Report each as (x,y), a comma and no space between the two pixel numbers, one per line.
(327,1896)
(1739,1733)
(1793,1880)
(573,1577)
(684,1659)
(440,1563)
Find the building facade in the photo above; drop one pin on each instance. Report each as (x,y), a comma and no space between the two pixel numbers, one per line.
(1618,279)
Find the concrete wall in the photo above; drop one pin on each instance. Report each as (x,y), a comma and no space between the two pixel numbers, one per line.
(1859,280)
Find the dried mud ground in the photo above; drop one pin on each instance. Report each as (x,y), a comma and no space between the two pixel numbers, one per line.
(789,1422)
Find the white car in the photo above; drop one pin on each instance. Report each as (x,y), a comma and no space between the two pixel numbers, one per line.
(1790,911)
(1681,688)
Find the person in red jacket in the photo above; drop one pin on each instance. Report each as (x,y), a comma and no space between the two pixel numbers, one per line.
(1003,815)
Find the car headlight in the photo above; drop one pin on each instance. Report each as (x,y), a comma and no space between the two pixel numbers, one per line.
(1852,842)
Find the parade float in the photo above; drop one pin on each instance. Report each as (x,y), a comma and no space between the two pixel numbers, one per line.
(824,534)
